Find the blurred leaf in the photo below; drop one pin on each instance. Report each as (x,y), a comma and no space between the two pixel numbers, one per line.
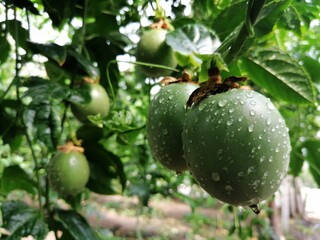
(296,162)
(55,72)
(59,10)
(43,90)
(13,177)
(4,49)
(51,50)
(312,156)
(312,66)
(279,74)
(76,225)
(269,15)
(228,19)
(190,40)
(76,60)
(18,33)
(290,20)
(24,4)
(106,169)
(103,53)
(22,221)
(44,122)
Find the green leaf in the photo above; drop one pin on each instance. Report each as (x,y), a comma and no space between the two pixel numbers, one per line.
(4,49)
(269,16)
(312,67)
(312,148)
(228,19)
(103,53)
(296,162)
(14,178)
(44,122)
(58,10)
(20,220)
(18,33)
(43,90)
(279,74)
(190,40)
(76,225)
(52,51)
(76,60)
(290,20)
(106,169)
(27,5)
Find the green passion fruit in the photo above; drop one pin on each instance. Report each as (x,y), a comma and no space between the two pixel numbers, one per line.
(237,146)
(152,48)
(98,103)
(68,172)
(165,123)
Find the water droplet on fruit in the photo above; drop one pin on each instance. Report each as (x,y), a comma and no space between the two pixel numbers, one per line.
(165,131)
(229,122)
(250,170)
(250,128)
(241,102)
(161,100)
(249,95)
(215,176)
(252,102)
(270,106)
(222,103)
(252,112)
(231,110)
(268,121)
(228,189)
(201,107)
(241,174)
(277,149)
(271,159)
(240,119)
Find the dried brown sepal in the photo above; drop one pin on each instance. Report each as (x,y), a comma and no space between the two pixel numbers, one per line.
(71,147)
(213,86)
(169,80)
(185,77)
(161,24)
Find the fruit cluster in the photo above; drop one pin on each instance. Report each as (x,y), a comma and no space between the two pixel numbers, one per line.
(235,143)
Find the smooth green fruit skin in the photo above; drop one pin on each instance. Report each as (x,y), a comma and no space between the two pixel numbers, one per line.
(68,172)
(99,103)
(165,122)
(237,146)
(152,48)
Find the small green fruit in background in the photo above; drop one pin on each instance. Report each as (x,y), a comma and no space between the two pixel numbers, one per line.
(152,48)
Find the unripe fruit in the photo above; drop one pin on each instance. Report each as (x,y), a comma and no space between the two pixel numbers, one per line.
(68,172)
(237,146)
(165,122)
(99,103)
(152,48)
